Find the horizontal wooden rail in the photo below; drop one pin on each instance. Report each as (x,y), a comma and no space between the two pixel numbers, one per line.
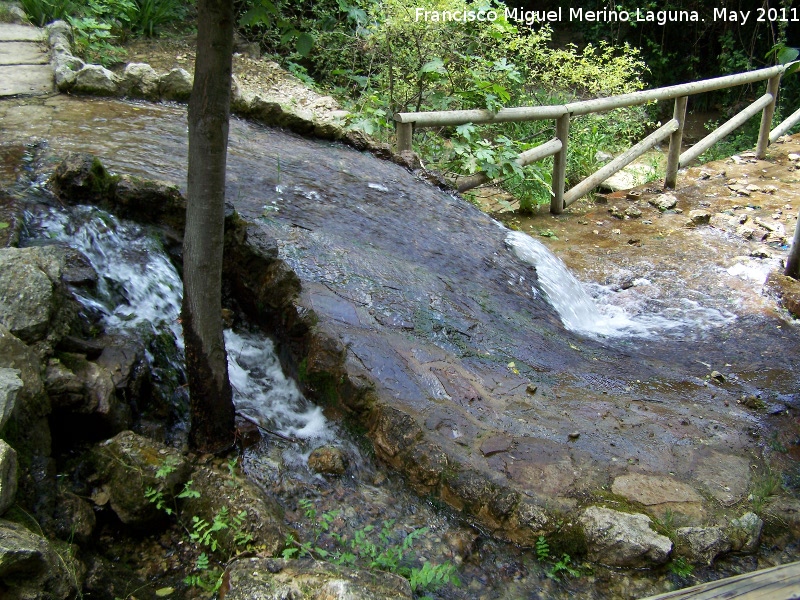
(562,113)
(537,113)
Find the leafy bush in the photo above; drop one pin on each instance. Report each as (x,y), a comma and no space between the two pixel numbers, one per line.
(381,60)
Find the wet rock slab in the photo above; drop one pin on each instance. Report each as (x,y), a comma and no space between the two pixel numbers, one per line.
(404,307)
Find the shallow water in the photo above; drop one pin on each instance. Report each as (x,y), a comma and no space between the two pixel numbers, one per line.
(344,222)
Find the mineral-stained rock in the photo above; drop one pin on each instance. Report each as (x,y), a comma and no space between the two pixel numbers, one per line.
(745,533)
(328,460)
(30,567)
(8,476)
(306,579)
(127,465)
(701,544)
(623,540)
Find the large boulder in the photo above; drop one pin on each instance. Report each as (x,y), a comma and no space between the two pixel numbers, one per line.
(95,80)
(28,429)
(127,466)
(623,540)
(35,303)
(307,579)
(139,80)
(31,568)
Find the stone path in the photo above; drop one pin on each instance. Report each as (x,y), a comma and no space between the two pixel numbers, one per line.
(24,62)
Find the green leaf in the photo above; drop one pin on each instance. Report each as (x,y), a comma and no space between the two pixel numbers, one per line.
(305,41)
(3,225)
(787,55)
(164,592)
(434,66)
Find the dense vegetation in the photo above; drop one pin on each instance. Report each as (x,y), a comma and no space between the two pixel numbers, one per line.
(379,58)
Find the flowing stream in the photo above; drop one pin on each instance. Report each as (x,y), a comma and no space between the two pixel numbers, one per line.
(443,276)
(591,310)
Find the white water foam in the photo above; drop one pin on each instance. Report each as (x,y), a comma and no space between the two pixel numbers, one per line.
(596,314)
(264,393)
(138,286)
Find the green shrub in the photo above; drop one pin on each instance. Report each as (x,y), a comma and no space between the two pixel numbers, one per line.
(380,60)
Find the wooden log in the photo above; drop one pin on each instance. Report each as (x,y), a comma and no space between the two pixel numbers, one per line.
(531,113)
(787,124)
(675,140)
(766,117)
(560,166)
(778,583)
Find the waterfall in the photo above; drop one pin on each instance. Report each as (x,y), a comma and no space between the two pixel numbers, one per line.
(596,314)
(139,287)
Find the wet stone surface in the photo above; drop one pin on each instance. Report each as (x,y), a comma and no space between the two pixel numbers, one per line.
(423,300)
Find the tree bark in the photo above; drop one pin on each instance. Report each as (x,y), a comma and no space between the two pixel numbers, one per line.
(211,403)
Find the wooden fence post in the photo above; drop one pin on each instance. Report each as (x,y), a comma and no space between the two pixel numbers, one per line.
(766,117)
(560,165)
(404,133)
(675,140)
(793,261)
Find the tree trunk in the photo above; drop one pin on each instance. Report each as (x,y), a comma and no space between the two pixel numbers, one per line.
(212,411)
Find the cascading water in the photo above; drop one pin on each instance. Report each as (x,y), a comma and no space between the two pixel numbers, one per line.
(139,287)
(596,315)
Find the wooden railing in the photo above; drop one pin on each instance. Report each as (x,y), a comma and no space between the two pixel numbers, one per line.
(562,113)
